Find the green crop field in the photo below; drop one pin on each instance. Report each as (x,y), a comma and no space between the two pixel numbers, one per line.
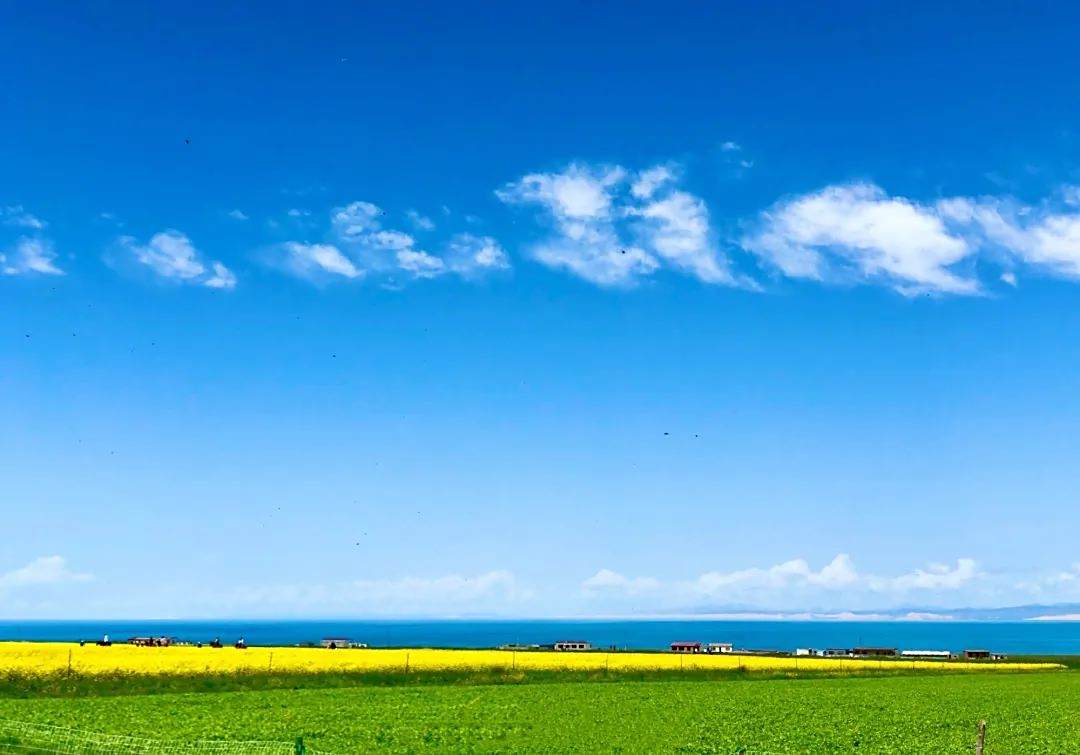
(1026,713)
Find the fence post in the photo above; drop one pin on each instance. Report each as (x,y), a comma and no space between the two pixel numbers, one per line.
(980,738)
(300,748)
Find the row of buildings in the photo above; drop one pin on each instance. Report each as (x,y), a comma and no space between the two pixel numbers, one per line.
(855,652)
(707,648)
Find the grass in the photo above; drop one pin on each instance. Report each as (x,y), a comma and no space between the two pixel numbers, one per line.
(1027,713)
(64,684)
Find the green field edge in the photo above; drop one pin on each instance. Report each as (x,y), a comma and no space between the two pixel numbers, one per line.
(75,684)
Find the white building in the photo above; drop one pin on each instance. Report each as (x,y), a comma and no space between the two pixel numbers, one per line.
(936,654)
(718,647)
(572,645)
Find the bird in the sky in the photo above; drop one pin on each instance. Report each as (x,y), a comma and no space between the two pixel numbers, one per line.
(187,141)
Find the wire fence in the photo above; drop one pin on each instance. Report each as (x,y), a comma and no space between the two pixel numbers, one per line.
(23,737)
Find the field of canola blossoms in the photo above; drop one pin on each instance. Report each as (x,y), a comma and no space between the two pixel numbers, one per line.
(30,658)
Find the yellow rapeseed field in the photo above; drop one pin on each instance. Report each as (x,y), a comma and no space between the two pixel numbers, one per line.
(32,658)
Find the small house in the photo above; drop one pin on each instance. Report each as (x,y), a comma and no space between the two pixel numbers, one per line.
(686,647)
(805,651)
(833,653)
(572,645)
(334,643)
(718,647)
(977,655)
(873,652)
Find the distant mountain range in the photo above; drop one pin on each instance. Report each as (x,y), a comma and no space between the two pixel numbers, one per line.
(1033,612)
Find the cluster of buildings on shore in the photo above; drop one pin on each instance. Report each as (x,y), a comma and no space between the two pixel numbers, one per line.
(710,648)
(572,646)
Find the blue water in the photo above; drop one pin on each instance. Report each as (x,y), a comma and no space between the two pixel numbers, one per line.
(1005,637)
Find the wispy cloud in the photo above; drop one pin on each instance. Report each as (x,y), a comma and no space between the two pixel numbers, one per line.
(614,228)
(359,244)
(17,216)
(316,261)
(238,215)
(171,256)
(420,222)
(30,256)
(47,570)
(789,584)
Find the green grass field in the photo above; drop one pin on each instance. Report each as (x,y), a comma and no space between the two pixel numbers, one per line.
(1027,713)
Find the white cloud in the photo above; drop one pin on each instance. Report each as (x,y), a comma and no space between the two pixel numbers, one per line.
(857,232)
(312,260)
(607,580)
(470,255)
(420,264)
(936,577)
(676,228)
(47,570)
(238,215)
(578,193)
(730,147)
(840,572)
(422,222)
(1039,236)
(613,229)
(648,181)
(443,595)
(298,213)
(16,215)
(171,255)
(791,584)
(221,277)
(30,255)
(355,219)
(360,245)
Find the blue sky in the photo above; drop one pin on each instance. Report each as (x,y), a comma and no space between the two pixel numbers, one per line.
(397,309)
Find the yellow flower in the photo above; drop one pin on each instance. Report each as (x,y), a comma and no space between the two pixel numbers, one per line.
(43,658)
